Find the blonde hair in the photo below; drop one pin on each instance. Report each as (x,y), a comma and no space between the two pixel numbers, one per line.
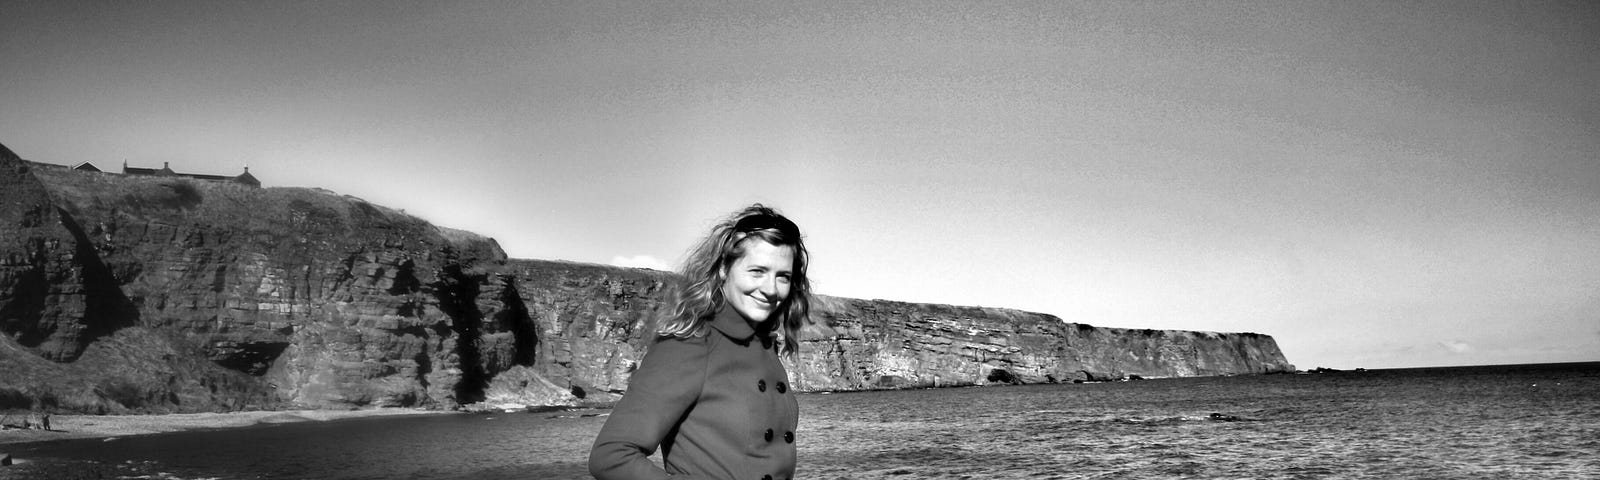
(699,298)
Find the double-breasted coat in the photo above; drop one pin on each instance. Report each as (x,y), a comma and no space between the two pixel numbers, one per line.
(718,406)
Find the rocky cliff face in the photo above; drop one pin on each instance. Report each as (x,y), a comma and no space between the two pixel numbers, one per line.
(877,343)
(152,294)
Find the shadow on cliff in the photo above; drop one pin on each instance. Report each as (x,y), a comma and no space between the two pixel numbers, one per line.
(457,292)
(105,307)
(486,344)
(516,319)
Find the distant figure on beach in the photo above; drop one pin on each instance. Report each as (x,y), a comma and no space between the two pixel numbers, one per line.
(711,393)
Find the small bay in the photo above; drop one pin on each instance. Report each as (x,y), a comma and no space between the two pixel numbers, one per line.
(1512,421)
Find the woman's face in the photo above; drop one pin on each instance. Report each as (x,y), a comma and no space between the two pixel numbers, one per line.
(759,281)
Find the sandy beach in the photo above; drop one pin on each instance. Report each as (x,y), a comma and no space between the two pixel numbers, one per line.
(95,426)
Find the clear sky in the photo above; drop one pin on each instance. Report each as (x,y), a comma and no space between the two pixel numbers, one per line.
(1373,183)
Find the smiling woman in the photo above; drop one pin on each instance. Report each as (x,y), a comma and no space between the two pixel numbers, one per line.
(711,264)
(759,280)
(711,394)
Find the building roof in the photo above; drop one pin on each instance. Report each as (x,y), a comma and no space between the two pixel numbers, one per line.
(166,171)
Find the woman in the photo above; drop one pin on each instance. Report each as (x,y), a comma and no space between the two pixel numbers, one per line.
(711,393)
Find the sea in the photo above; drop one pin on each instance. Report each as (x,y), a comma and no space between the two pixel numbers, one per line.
(1502,422)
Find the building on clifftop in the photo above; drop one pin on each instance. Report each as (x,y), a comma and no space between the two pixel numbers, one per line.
(166,171)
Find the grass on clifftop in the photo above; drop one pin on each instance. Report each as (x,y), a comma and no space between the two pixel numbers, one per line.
(233,207)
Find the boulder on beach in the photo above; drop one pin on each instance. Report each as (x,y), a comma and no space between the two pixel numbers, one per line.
(522,388)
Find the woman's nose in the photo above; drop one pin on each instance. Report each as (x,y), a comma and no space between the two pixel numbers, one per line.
(769,288)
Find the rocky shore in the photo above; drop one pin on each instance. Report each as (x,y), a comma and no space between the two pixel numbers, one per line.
(97,426)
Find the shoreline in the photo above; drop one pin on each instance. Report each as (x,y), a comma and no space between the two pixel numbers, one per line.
(64,427)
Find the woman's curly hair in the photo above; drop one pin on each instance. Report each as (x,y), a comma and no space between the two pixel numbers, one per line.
(706,269)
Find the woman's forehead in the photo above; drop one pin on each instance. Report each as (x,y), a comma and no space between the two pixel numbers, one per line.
(759,251)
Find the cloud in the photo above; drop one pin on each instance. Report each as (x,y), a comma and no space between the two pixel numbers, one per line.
(1455,346)
(641,261)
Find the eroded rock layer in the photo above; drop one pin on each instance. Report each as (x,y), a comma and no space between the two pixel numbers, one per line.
(151,294)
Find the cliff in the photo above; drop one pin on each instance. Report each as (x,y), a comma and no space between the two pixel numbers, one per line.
(150,294)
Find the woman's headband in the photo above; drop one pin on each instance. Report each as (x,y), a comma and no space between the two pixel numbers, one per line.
(764,221)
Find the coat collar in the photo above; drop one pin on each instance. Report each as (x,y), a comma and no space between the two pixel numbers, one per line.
(735,327)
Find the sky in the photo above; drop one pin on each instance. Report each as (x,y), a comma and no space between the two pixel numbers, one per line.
(1375,184)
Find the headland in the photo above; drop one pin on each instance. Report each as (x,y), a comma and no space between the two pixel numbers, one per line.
(150,294)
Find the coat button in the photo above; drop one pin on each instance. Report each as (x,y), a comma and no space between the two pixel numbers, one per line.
(788,437)
(761,385)
(782,388)
(768,436)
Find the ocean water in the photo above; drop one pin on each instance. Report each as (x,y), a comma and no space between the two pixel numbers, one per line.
(1504,422)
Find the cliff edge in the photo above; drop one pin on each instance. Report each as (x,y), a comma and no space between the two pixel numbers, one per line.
(124,294)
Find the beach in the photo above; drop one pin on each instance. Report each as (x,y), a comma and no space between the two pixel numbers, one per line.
(97,426)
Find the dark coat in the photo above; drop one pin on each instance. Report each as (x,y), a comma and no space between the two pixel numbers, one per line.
(719,406)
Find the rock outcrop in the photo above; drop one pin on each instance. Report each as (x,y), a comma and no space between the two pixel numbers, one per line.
(149,294)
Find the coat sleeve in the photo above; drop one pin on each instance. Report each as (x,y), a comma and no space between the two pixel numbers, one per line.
(666,385)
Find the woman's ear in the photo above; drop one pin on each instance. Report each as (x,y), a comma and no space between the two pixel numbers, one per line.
(720,279)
